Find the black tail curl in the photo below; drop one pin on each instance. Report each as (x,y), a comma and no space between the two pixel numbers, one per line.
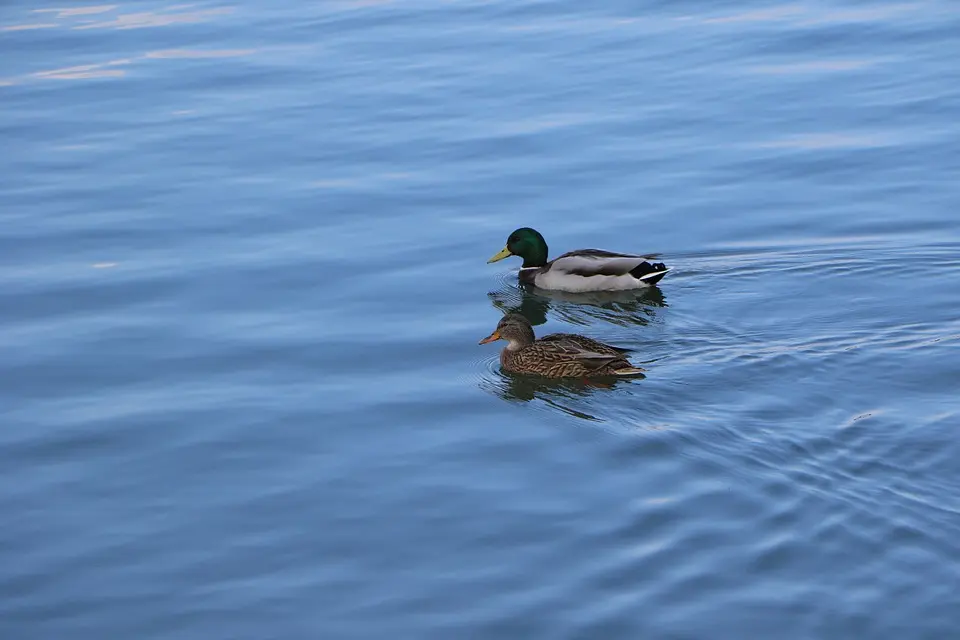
(646,268)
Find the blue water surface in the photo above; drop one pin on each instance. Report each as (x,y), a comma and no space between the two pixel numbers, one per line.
(243,277)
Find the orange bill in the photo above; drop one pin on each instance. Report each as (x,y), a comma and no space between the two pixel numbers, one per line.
(491,338)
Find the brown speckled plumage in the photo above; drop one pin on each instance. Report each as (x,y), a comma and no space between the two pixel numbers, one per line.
(559,355)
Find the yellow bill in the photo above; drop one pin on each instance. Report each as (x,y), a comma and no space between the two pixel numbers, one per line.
(504,253)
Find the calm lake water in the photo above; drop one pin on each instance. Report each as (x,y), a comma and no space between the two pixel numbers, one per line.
(243,276)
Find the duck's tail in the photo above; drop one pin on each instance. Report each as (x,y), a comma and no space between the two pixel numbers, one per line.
(650,272)
(628,372)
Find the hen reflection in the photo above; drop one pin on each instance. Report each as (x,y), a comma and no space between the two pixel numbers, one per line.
(622,308)
(559,394)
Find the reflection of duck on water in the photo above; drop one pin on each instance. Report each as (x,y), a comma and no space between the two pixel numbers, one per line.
(556,392)
(623,308)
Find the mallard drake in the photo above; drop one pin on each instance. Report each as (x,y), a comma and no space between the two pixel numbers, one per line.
(580,270)
(559,355)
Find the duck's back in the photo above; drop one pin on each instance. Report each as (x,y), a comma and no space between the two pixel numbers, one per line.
(589,344)
(563,355)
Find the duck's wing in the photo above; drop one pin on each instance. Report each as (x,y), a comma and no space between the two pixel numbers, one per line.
(596,262)
(586,343)
(564,349)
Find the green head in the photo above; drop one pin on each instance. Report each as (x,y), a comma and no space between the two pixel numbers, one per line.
(526,243)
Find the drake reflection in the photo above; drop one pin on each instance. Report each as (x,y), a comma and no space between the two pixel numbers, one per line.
(622,308)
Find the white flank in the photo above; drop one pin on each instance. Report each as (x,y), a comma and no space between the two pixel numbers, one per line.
(588,263)
(559,281)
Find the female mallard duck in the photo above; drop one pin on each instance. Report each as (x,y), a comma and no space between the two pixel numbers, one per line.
(581,270)
(559,355)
